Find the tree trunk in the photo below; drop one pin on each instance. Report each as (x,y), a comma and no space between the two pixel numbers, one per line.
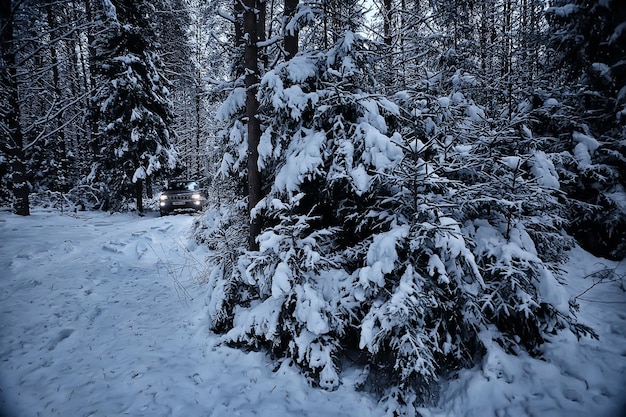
(83,139)
(238,11)
(254,126)
(387,18)
(261,13)
(60,151)
(197,128)
(391,77)
(290,36)
(402,36)
(139,195)
(93,13)
(78,85)
(13,142)
(149,190)
(198,105)
(325,17)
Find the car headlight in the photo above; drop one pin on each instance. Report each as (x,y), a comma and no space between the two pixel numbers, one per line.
(196,196)
(162,197)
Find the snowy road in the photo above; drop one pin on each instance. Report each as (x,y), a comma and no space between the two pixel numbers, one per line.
(102,316)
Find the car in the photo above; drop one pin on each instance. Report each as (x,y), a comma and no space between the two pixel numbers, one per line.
(181,194)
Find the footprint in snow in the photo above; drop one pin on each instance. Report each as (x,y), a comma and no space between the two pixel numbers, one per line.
(94,314)
(99,224)
(68,246)
(115,247)
(61,336)
(141,249)
(166,228)
(197,379)
(113,265)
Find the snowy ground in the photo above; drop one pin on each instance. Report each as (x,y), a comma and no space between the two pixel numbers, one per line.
(102,315)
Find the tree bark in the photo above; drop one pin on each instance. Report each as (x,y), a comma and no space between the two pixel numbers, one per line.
(387,18)
(139,195)
(93,13)
(238,11)
(392,71)
(325,23)
(261,13)
(198,129)
(149,190)
(60,150)
(13,139)
(290,36)
(254,126)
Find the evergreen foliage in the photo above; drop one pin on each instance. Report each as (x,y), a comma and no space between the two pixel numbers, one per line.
(134,113)
(587,116)
(410,231)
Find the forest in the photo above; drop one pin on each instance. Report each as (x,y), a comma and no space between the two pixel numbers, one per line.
(397,182)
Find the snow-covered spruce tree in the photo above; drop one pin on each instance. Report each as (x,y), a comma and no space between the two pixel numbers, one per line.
(478,205)
(134,115)
(324,146)
(586,113)
(225,227)
(410,249)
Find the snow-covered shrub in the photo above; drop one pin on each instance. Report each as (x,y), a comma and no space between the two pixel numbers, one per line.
(301,301)
(596,194)
(322,153)
(483,236)
(223,229)
(419,321)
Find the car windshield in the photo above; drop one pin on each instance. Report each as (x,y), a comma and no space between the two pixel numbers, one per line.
(183,185)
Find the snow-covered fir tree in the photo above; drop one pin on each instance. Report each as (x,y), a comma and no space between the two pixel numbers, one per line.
(133,147)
